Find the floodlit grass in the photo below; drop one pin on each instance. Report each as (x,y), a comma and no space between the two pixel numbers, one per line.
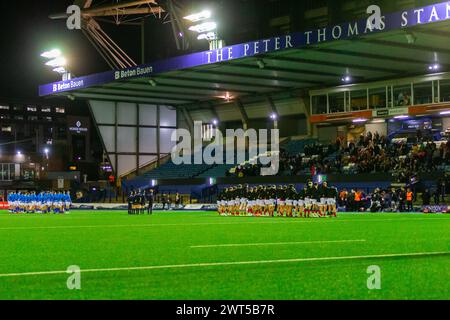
(204,256)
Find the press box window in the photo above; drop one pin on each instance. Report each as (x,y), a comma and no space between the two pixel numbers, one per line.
(402,96)
(377,98)
(423,93)
(444,90)
(358,100)
(319,104)
(337,102)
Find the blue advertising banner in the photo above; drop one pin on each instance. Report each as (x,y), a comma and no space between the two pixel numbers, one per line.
(391,21)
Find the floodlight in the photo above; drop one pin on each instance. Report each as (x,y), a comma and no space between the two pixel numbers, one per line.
(58,62)
(204,27)
(52,54)
(60,70)
(205,14)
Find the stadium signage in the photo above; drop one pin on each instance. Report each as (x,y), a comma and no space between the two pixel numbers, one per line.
(134,72)
(392,21)
(390,112)
(78,128)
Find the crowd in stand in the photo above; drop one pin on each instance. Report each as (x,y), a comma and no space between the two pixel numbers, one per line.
(371,153)
(391,199)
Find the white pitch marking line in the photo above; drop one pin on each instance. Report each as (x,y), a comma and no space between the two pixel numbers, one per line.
(220,264)
(274,244)
(267,222)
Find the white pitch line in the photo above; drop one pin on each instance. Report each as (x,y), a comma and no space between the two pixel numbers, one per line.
(264,222)
(273,244)
(221,264)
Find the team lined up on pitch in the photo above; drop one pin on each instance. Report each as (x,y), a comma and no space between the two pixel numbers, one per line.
(44,202)
(313,201)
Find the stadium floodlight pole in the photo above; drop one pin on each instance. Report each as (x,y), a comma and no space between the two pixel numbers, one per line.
(56,60)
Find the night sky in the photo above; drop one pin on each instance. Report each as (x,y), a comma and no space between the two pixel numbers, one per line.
(27,32)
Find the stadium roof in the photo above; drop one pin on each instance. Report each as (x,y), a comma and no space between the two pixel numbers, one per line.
(409,42)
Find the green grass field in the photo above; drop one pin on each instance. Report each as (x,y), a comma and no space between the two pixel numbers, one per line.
(204,256)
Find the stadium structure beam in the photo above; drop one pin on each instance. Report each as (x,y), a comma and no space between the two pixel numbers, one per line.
(242,83)
(124,12)
(427,49)
(333,64)
(188,118)
(191,95)
(137,93)
(373,56)
(273,109)
(213,110)
(261,77)
(302,72)
(119,98)
(244,115)
(257,78)
(138,135)
(204,81)
(108,10)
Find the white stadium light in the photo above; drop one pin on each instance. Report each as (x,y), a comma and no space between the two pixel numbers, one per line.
(58,62)
(204,27)
(52,54)
(207,36)
(60,70)
(205,14)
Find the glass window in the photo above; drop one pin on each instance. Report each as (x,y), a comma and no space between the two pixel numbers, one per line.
(46,109)
(423,93)
(7,129)
(31,109)
(402,95)
(377,98)
(6,172)
(60,110)
(4,107)
(337,102)
(445,90)
(358,100)
(319,104)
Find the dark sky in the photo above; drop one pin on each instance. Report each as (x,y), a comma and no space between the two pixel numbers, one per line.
(27,32)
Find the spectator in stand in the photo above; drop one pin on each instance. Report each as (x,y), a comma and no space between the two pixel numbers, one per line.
(371,153)
(436,197)
(426,197)
(442,190)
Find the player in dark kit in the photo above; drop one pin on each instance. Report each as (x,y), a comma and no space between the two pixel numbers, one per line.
(150,199)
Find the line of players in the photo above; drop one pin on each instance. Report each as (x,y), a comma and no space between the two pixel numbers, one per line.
(44,202)
(284,201)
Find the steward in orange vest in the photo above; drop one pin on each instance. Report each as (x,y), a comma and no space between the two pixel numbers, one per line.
(409,200)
